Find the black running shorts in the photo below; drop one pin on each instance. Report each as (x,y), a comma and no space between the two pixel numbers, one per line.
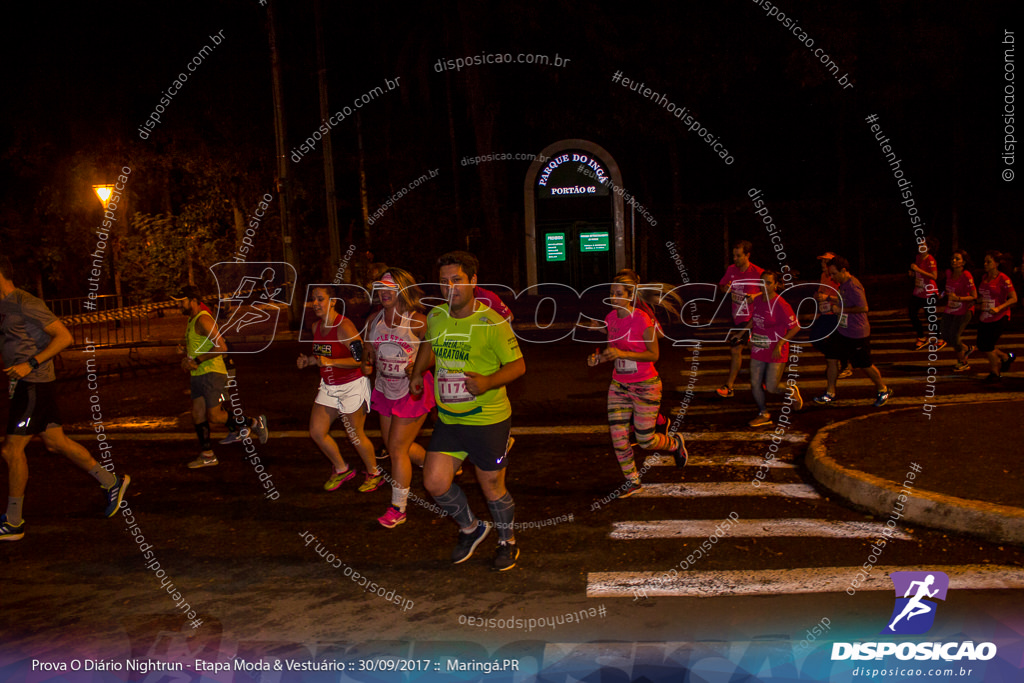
(33,408)
(486,446)
(989,334)
(847,349)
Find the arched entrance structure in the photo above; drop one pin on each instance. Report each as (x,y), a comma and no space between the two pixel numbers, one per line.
(575,233)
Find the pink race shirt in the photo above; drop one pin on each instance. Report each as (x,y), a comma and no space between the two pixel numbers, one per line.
(627,334)
(493,301)
(772,320)
(925,286)
(743,282)
(961,286)
(994,292)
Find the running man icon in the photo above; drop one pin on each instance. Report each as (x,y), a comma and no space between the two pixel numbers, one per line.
(931,585)
(262,291)
(248,294)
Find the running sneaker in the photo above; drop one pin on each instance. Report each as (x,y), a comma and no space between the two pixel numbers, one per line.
(115,494)
(798,400)
(961,367)
(971,348)
(920,344)
(761,420)
(883,397)
(630,487)
(10,532)
(939,345)
(467,543)
(847,372)
(339,478)
(724,391)
(824,399)
(1004,366)
(383,454)
(372,482)
(506,556)
(392,518)
(232,437)
(680,455)
(205,459)
(992,378)
(261,428)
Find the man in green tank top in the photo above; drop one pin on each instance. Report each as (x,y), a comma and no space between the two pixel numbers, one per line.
(204,361)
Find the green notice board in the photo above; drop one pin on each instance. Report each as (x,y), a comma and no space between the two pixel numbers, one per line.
(594,241)
(554,246)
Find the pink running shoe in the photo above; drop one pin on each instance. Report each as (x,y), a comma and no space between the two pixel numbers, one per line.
(392,518)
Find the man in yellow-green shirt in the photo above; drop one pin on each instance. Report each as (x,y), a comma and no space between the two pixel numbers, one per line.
(475,355)
(204,361)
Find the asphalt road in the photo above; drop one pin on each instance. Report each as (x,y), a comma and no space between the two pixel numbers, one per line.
(78,583)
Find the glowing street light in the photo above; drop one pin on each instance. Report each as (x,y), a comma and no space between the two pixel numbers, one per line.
(103,192)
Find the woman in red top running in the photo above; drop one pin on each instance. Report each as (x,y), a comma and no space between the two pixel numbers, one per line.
(960,297)
(344,390)
(996,294)
(925,271)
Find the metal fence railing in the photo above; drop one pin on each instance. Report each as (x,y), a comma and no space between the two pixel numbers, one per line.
(106,321)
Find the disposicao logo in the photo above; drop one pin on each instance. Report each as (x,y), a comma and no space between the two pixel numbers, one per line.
(915,614)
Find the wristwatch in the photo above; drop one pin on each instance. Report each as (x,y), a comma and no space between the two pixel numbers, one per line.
(33,363)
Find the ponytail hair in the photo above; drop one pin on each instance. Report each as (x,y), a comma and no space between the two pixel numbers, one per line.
(409,293)
(652,294)
(776,277)
(1003,261)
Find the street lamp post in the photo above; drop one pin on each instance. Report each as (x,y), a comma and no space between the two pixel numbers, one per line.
(103,193)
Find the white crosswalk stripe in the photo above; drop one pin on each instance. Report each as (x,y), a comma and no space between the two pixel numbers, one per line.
(723,489)
(752,528)
(724,407)
(856,381)
(730,461)
(705,584)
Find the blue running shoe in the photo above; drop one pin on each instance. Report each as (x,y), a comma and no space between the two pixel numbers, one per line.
(115,494)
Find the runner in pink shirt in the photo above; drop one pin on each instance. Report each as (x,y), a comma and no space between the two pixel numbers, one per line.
(493,301)
(634,395)
(996,294)
(960,297)
(772,324)
(924,270)
(742,284)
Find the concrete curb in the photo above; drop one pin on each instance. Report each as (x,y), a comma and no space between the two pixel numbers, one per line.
(996,523)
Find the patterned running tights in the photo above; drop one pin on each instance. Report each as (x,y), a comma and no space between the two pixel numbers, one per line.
(636,403)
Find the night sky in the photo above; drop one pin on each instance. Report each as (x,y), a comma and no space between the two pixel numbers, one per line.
(81,79)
